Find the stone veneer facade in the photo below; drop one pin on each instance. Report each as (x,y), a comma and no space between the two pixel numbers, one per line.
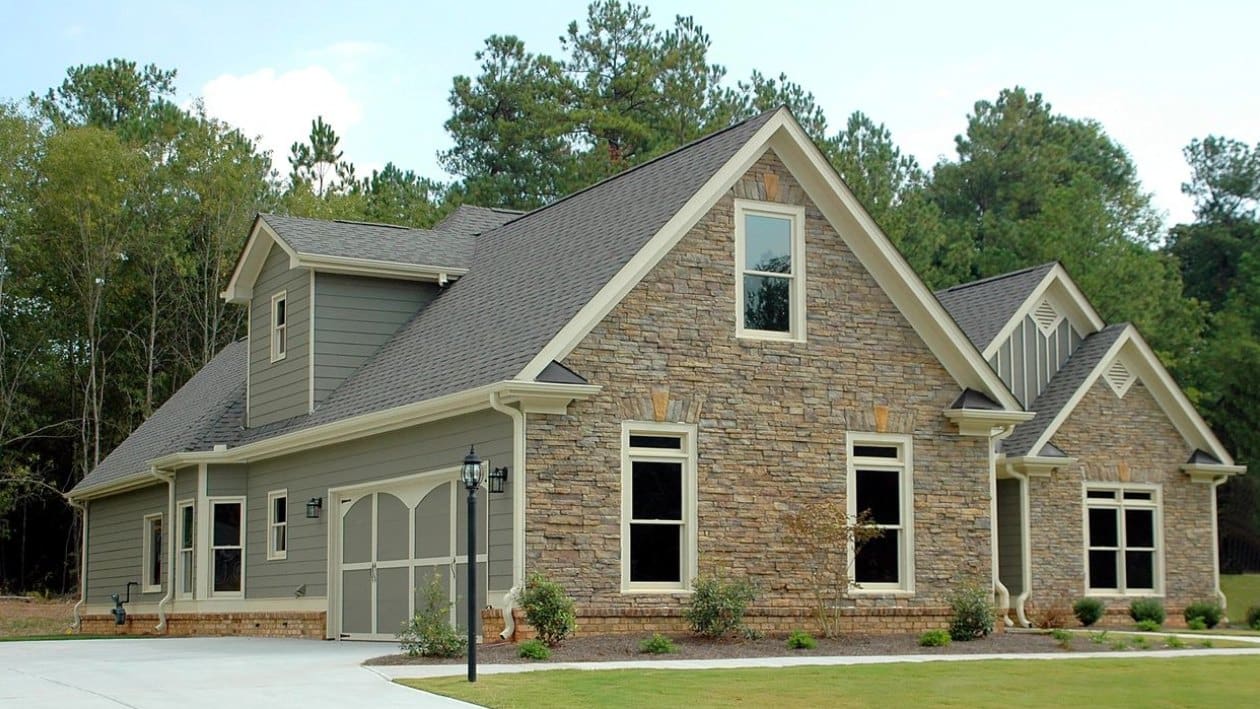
(1120,440)
(771,417)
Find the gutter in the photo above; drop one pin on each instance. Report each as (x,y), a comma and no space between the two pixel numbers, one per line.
(169,478)
(518,511)
(1025,544)
(1003,593)
(1216,547)
(77,622)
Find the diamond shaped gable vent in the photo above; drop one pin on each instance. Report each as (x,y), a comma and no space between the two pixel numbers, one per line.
(1046,317)
(1119,378)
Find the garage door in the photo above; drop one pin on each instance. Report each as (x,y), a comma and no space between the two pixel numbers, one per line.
(392,541)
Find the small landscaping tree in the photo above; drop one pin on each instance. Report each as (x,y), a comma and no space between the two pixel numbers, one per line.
(548,610)
(429,632)
(716,607)
(824,532)
(974,616)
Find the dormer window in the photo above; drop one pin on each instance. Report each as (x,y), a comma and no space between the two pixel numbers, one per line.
(279,329)
(770,277)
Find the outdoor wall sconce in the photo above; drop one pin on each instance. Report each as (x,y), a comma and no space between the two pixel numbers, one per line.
(313,506)
(498,476)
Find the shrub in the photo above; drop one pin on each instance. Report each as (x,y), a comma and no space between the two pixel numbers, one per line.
(1147,609)
(533,650)
(429,632)
(1253,617)
(1098,638)
(548,609)
(1062,637)
(1196,624)
(1210,613)
(1206,644)
(1088,611)
(801,640)
(1141,643)
(1174,642)
(749,633)
(716,607)
(1120,644)
(973,614)
(934,638)
(1148,625)
(1051,617)
(657,645)
(826,536)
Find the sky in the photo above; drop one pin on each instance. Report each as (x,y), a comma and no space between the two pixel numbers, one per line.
(1155,74)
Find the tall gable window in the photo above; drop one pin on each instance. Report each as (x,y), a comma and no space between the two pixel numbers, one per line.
(279,326)
(278,524)
(770,277)
(1122,535)
(658,506)
(880,484)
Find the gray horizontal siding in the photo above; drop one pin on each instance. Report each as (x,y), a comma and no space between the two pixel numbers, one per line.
(186,484)
(227,480)
(279,390)
(115,539)
(441,444)
(1010,537)
(354,316)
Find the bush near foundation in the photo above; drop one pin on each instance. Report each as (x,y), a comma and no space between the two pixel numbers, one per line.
(717,606)
(974,616)
(1088,611)
(1147,609)
(1208,612)
(548,609)
(429,632)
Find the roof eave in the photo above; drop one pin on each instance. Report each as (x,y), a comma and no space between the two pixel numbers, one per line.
(1211,472)
(986,423)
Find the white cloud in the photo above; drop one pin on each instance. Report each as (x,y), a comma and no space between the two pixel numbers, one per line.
(278,107)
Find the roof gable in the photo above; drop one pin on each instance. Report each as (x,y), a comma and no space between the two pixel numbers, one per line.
(982,308)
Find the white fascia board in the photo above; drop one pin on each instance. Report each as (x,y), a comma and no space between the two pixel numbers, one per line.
(983,422)
(1210,472)
(375,268)
(249,264)
(1038,466)
(1063,291)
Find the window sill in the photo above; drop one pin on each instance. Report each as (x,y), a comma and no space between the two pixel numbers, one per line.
(1127,594)
(151,589)
(889,592)
(768,336)
(656,591)
(277,557)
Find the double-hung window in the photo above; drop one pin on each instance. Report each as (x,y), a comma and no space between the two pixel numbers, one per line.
(279,326)
(1122,532)
(186,571)
(227,546)
(880,484)
(770,271)
(151,555)
(277,524)
(658,506)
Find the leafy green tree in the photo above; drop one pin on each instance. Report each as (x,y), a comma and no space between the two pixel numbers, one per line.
(319,160)
(107,95)
(392,195)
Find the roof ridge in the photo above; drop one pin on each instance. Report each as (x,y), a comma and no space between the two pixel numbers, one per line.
(635,168)
(998,277)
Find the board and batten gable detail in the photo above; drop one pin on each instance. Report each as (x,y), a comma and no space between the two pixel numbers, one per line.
(1033,353)
(354,316)
(279,389)
(770,419)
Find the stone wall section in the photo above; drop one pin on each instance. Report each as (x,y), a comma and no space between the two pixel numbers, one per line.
(1120,440)
(771,417)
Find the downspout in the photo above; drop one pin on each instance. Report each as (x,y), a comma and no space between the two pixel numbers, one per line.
(1216,548)
(518,511)
(1003,593)
(77,623)
(1026,545)
(169,479)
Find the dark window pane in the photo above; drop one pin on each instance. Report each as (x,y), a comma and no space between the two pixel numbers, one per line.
(879,491)
(281,512)
(1139,570)
(767,303)
(186,528)
(875,452)
(227,524)
(280,314)
(1102,569)
(155,546)
(227,570)
(1139,528)
(655,552)
(877,561)
(1102,527)
(670,442)
(656,491)
(767,244)
(280,538)
(1135,495)
(1101,494)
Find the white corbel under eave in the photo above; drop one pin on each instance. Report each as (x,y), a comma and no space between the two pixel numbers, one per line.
(1039,466)
(985,423)
(546,398)
(1210,472)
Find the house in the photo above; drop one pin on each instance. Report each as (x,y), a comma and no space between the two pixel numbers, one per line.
(666,363)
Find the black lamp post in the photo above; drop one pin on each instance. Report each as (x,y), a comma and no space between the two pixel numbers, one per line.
(471,475)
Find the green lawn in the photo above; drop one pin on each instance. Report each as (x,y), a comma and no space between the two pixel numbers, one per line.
(1156,682)
(1243,592)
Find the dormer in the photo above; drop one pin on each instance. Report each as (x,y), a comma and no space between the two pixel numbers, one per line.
(323,296)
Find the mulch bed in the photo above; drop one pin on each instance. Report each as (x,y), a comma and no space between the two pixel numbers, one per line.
(609,648)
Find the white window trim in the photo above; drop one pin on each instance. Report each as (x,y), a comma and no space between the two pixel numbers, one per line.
(210,547)
(687,456)
(274,554)
(1156,503)
(180,550)
(906,467)
(278,353)
(796,214)
(146,555)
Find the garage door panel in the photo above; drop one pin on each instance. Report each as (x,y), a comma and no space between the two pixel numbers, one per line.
(391,599)
(433,523)
(461,522)
(425,574)
(392,529)
(356,601)
(356,525)
(461,592)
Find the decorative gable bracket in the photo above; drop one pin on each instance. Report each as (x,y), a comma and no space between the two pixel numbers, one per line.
(546,398)
(986,423)
(1211,472)
(1039,466)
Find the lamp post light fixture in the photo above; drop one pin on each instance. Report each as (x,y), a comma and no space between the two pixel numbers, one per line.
(470,473)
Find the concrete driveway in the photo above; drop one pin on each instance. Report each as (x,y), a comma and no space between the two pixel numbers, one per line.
(191,673)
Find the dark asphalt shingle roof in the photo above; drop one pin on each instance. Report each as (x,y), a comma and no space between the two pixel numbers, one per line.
(982,307)
(196,416)
(1062,386)
(472,220)
(451,248)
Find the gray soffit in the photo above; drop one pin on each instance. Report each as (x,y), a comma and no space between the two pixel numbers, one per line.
(981,308)
(1061,388)
(1202,457)
(972,399)
(557,373)
(452,248)
(192,419)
